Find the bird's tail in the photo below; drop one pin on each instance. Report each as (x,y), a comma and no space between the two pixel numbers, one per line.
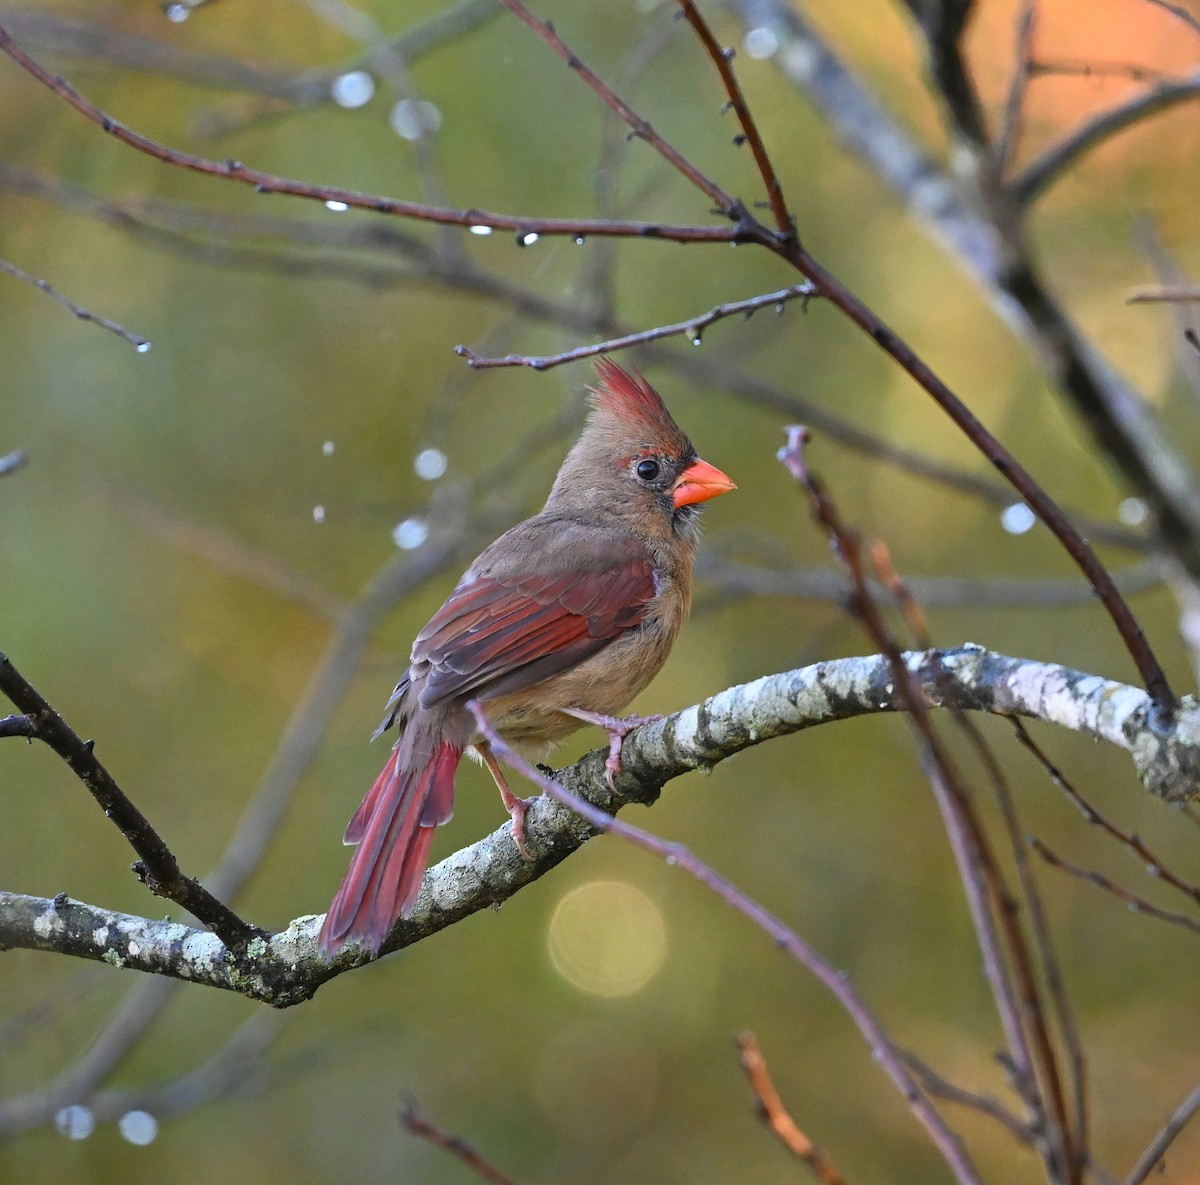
(393,829)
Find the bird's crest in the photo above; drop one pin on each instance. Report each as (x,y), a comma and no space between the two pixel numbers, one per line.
(628,397)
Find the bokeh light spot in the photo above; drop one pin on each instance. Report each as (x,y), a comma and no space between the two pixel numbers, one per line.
(138,1127)
(607,938)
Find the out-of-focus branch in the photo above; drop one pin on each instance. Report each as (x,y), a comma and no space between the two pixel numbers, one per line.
(775,1115)
(1159,1146)
(1038,176)
(986,241)
(100,41)
(286,969)
(141,344)
(456,1146)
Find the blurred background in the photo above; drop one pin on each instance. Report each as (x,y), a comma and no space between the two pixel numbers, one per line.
(220,548)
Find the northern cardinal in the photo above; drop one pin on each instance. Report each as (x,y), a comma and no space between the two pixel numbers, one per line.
(562,620)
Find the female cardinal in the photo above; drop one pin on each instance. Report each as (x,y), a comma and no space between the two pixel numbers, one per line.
(564,619)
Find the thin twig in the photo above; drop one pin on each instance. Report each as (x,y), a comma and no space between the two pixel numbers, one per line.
(722,60)
(1043,940)
(1014,988)
(456,1146)
(1157,1148)
(1179,11)
(1005,146)
(776,1116)
(234,170)
(1034,495)
(1164,292)
(141,344)
(638,125)
(1038,176)
(692,328)
(156,866)
(1136,903)
(946,1141)
(951,1092)
(1133,843)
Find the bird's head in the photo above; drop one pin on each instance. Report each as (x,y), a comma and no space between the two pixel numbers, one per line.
(633,464)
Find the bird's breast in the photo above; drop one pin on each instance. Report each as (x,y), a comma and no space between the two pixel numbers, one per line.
(605,682)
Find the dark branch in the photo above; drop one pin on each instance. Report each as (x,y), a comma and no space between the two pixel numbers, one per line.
(156,866)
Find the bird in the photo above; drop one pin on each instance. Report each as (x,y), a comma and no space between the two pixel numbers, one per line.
(560,622)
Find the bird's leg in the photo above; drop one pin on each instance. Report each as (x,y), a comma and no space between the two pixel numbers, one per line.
(618,728)
(515,806)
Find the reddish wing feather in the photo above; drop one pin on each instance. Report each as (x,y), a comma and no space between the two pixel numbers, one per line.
(526,627)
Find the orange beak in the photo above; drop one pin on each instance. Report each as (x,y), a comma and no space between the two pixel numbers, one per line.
(699,482)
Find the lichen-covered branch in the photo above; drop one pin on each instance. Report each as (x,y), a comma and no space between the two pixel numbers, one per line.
(285,968)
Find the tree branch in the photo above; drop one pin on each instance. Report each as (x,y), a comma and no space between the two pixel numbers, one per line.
(285,969)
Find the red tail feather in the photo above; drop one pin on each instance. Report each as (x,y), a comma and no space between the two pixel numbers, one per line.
(394,830)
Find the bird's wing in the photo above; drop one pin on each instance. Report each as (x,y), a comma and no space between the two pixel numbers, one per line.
(501,631)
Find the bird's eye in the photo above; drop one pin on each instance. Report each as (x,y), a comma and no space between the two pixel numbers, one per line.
(647,470)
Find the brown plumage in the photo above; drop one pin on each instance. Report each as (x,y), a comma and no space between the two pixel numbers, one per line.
(573,610)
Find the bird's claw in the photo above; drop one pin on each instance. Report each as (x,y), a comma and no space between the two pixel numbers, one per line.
(618,728)
(517,808)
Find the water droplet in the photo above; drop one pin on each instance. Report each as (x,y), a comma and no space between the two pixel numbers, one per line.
(579,240)
(143,347)
(1133,512)
(138,1127)
(354,89)
(1017,518)
(697,340)
(336,207)
(528,238)
(430,463)
(413,118)
(318,514)
(327,448)
(178,13)
(672,860)
(410,534)
(76,1123)
(760,43)
(480,230)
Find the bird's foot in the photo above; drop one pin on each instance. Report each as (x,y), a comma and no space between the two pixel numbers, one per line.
(517,807)
(618,728)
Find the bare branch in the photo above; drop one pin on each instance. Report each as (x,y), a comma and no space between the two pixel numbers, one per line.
(692,328)
(1157,1149)
(639,126)
(157,865)
(141,344)
(776,1116)
(234,170)
(1164,292)
(1178,11)
(1005,146)
(286,969)
(1132,843)
(456,1146)
(1136,903)
(722,60)
(601,820)
(1038,176)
